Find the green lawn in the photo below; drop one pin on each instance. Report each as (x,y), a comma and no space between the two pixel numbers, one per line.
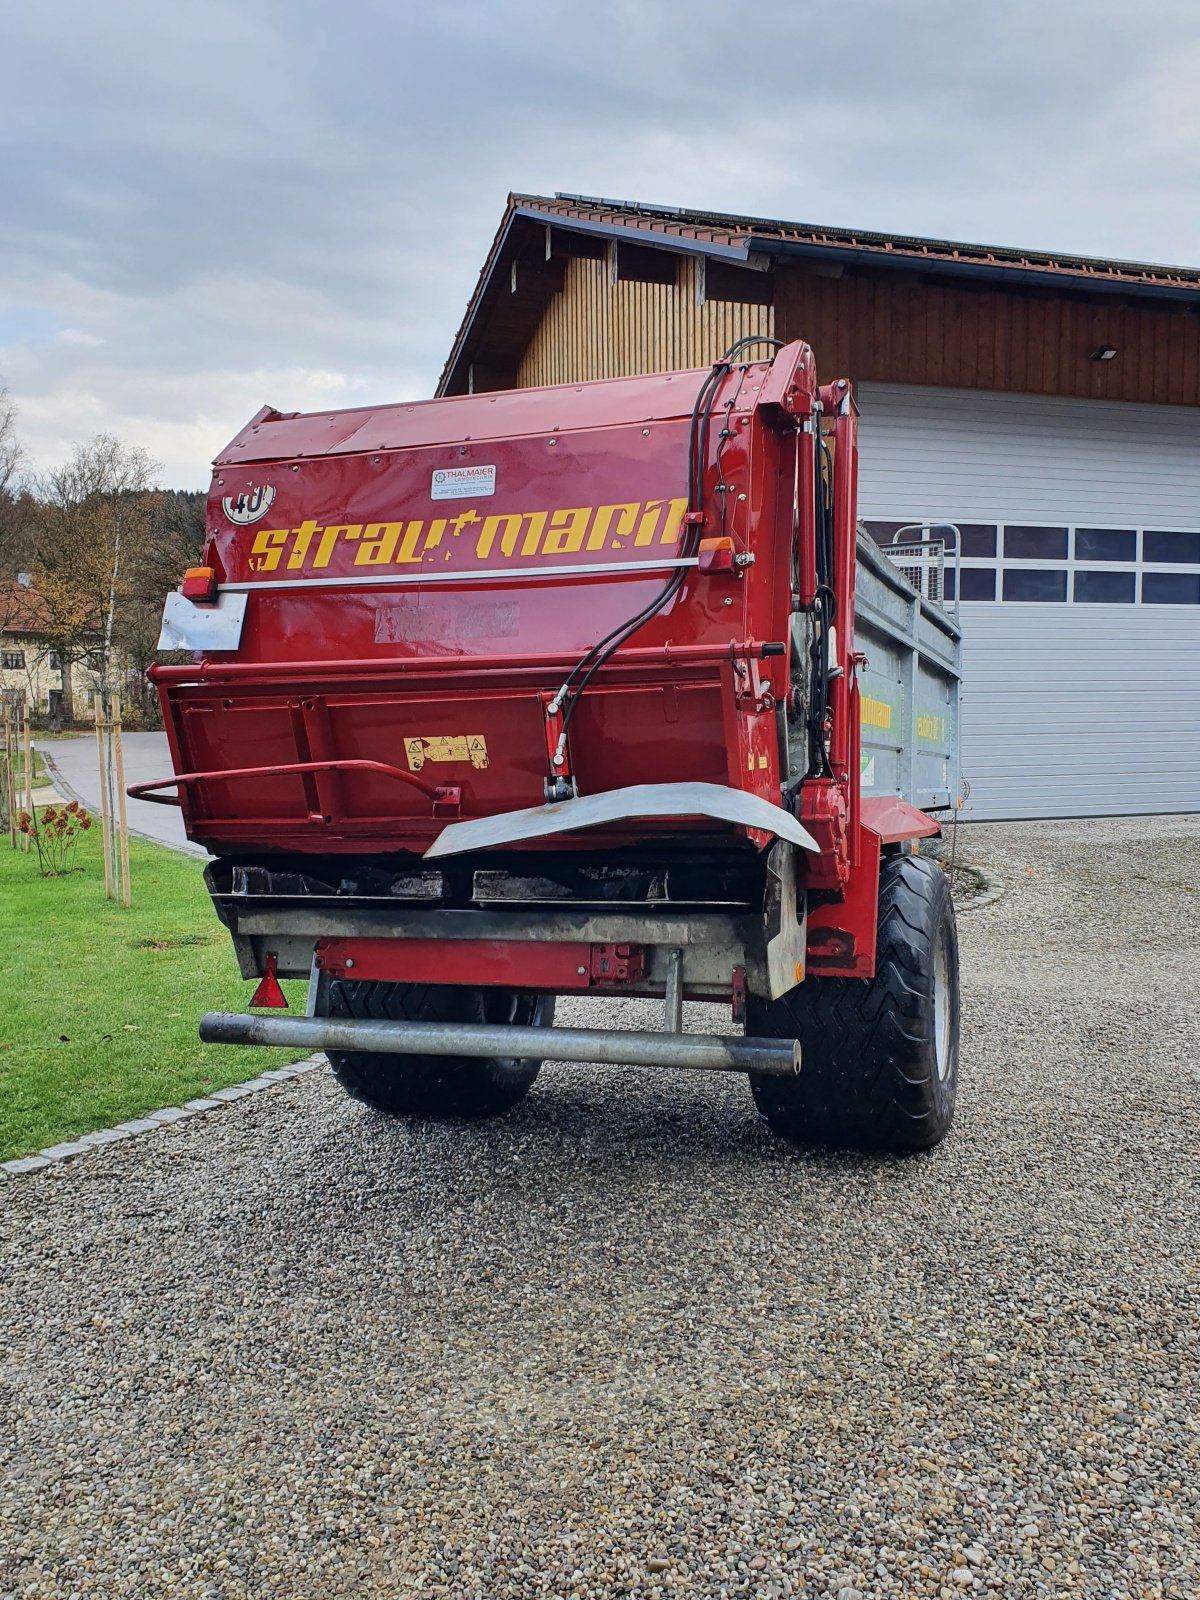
(99,1006)
(40,775)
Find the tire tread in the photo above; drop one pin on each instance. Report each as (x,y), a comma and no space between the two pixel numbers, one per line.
(868,1077)
(430,1086)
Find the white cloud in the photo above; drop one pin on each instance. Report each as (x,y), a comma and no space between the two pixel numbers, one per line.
(211,208)
(78,339)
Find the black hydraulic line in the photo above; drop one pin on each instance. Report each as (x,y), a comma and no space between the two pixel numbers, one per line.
(692,497)
(604,648)
(748,339)
(591,662)
(825,605)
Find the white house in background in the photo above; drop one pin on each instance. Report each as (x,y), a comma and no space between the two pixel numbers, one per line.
(28,664)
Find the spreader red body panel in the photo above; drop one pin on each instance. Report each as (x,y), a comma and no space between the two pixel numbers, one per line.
(421,579)
(408,589)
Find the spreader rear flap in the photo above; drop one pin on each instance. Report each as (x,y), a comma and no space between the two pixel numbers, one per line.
(641,800)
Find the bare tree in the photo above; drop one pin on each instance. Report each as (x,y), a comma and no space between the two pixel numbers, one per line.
(93,524)
(12,457)
(16,530)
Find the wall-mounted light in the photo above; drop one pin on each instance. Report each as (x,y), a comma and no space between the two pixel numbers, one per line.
(1103,352)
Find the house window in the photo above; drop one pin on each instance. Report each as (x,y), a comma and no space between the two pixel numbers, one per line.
(54,661)
(12,660)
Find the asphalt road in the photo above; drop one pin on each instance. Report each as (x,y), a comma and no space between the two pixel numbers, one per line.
(76,765)
(623,1342)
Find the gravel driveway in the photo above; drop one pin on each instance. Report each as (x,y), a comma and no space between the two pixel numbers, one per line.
(623,1342)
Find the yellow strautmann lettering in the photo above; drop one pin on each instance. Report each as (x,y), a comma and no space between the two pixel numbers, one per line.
(506,536)
(874,713)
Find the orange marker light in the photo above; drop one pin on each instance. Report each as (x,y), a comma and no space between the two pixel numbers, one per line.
(200,584)
(716,555)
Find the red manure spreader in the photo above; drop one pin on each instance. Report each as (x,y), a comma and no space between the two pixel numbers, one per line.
(593,690)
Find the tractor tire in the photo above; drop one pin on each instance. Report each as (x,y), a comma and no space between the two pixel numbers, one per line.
(878,1056)
(435,1086)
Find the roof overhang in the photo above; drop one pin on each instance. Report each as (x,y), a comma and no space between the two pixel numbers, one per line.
(497,295)
(508,245)
(1055,280)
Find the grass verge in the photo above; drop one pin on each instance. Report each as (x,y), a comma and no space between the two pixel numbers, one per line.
(40,774)
(99,1005)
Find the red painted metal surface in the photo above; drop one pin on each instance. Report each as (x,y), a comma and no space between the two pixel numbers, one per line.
(894,820)
(565,967)
(561,968)
(421,579)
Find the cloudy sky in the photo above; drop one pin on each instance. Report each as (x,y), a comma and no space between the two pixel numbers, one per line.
(211,206)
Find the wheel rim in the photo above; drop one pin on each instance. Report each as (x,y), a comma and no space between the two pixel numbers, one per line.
(941,1007)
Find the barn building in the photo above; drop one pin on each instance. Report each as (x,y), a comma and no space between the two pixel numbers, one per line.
(1047,405)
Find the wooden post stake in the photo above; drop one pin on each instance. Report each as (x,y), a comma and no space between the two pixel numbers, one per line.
(26,752)
(104,820)
(122,820)
(10,785)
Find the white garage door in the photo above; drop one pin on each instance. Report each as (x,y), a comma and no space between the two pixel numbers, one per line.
(1080,584)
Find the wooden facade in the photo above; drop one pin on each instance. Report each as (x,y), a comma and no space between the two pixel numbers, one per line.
(577,291)
(890,328)
(871,327)
(602,325)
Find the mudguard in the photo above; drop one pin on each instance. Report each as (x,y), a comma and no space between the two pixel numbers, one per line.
(715,800)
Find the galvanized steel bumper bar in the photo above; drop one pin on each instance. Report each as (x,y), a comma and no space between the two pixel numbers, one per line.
(608,1046)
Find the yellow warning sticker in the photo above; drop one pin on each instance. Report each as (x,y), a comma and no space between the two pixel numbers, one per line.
(435,747)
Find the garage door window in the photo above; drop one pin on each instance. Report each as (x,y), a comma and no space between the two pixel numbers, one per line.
(1035,544)
(1034,583)
(1105,588)
(978,540)
(1173,547)
(1026,562)
(1105,544)
(978,583)
(1171,588)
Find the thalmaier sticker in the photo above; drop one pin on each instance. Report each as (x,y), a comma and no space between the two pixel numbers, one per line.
(461,483)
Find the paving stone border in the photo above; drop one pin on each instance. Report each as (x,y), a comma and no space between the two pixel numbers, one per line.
(990,891)
(154,1120)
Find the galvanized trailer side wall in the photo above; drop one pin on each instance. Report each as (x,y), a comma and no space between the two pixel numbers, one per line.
(909,691)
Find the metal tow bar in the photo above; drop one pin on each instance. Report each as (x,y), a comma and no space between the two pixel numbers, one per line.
(606,1046)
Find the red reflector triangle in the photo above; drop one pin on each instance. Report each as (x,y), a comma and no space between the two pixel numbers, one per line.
(270,994)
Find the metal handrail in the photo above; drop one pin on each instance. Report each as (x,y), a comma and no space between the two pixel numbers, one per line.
(924,528)
(141,791)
